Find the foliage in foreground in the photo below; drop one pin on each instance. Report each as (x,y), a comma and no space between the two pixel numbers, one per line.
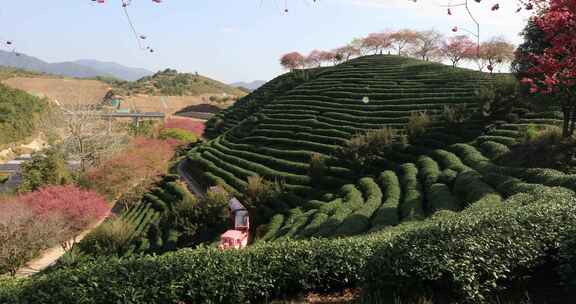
(454,255)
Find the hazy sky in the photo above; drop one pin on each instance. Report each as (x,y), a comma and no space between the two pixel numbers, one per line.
(230,40)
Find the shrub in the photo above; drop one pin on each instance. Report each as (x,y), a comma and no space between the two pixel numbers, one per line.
(359,221)
(180,135)
(451,254)
(363,149)
(440,198)
(46,168)
(411,207)
(493,149)
(530,133)
(273,227)
(387,214)
(466,257)
(317,168)
(456,114)
(470,188)
(418,124)
(448,177)
(110,238)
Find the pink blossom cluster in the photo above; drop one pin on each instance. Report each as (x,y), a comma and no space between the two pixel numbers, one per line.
(555,69)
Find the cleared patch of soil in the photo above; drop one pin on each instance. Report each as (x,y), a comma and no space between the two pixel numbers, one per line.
(65,91)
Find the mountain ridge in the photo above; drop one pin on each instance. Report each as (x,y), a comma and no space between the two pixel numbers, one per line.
(84,68)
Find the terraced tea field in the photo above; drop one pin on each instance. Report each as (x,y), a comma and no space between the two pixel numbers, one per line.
(274,131)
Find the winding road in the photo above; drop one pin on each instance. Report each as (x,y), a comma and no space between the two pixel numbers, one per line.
(193,186)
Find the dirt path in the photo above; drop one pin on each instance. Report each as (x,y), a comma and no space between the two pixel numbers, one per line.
(193,186)
(51,255)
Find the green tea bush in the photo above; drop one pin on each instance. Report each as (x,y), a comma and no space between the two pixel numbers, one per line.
(273,227)
(448,176)
(314,225)
(359,221)
(440,198)
(352,197)
(429,171)
(388,213)
(471,189)
(493,149)
(412,205)
(110,238)
(464,257)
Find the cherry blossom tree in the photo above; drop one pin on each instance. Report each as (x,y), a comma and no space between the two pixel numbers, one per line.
(553,69)
(328,57)
(403,38)
(377,42)
(141,163)
(314,59)
(76,206)
(292,61)
(457,48)
(346,52)
(427,45)
(494,52)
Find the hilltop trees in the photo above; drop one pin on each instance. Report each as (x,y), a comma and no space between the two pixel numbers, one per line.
(377,42)
(493,53)
(292,61)
(346,52)
(457,48)
(427,45)
(403,38)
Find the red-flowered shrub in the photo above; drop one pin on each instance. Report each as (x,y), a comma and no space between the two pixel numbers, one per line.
(78,207)
(143,161)
(196,127)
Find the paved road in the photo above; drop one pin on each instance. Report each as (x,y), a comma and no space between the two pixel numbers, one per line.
(193,186)
(13,168)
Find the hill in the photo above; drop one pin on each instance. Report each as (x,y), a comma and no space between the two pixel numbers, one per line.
(64,90)
(249,85)
(116,70)
(171,83)
(78,69)
(19,115)
(275,132)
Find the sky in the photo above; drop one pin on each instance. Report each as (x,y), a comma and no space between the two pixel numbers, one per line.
(229,40)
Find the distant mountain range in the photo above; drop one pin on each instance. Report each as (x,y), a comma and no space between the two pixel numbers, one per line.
(79,68)
(249,85)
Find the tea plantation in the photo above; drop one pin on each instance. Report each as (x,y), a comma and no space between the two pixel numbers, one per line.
(440,219)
